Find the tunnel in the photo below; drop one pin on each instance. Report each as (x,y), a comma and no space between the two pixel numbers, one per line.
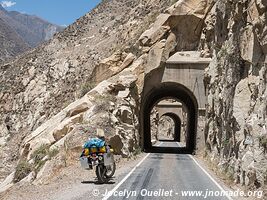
(177,125)
(180,93)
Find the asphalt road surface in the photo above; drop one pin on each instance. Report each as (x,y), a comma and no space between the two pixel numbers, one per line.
(167,176)
(151,176)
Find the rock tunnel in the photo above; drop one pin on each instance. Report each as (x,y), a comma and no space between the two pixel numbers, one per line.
(177,125)
(180,93)
(180,78)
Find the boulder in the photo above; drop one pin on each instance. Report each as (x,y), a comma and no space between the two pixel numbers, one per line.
(116,144)
(124,93)
(58,126)
(125,114)
(187,7)
(156,32)
(112,66)
(170,46)
(66,126)
(155,56)
(7,183)
(79,108)
(127,61)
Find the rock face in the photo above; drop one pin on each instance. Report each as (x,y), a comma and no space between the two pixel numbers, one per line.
(11,43)
(154,120)
(92,74)
(41,83)
(236,123)
(20,31)
(166,128)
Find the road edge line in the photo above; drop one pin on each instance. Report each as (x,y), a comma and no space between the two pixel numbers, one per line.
(126,177)
(178,144)
(211,178)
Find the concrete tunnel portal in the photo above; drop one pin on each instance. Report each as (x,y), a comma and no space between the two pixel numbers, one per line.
(180,78)
(177,125)
(186,97)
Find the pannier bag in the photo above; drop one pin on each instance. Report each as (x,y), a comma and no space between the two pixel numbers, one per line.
(94,145)
(95,142)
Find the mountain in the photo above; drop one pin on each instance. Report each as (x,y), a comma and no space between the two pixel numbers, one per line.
(11,43)
(27,31)
(38,30)
(94,74)
(42,82)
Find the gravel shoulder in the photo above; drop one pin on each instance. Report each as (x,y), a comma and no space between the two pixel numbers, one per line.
(71,183)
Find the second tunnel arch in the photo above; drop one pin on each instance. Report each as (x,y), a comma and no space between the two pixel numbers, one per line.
(176,91)
(177,125)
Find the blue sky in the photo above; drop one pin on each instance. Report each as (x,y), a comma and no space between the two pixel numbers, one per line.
(61,12)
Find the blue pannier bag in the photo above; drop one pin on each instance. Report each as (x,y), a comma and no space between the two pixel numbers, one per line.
(94,142)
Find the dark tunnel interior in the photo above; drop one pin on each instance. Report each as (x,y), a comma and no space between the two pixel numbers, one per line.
(186,97)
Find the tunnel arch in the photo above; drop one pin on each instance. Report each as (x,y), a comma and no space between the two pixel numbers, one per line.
(177,125)
(169,90)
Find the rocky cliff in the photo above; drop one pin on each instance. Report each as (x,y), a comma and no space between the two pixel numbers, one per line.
(236,82)
(11,43)
(100,62)
(40,84)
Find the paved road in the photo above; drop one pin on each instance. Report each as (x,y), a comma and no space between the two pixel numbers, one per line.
(165,176)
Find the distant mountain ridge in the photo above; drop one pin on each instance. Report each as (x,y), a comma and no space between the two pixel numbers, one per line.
(28,31)
(11,44)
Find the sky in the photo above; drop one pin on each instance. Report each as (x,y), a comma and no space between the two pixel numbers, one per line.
(60,12)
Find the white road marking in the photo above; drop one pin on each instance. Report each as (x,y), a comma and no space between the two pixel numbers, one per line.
(178,144)
(126,177)
(129,174)
(159,144)
(213,180)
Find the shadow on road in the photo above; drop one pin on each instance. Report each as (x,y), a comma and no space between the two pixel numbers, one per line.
(170,150)
(96,182)
(166,140)
(170,157)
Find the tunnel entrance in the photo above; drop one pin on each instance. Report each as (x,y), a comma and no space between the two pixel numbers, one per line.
(170,90)
(166,123)
(177,126)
